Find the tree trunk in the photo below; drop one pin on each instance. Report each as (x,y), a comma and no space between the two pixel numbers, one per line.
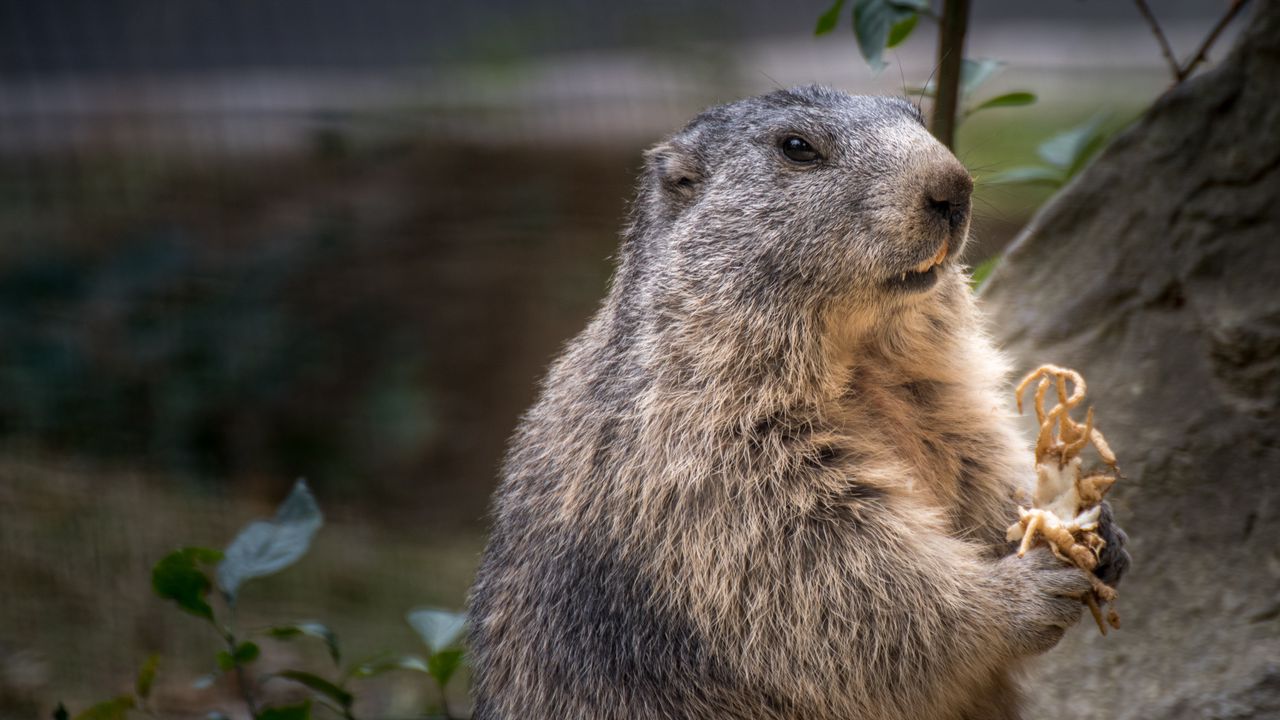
(946,108)
(1156,273)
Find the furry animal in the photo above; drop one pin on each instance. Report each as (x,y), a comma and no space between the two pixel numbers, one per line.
(771,478)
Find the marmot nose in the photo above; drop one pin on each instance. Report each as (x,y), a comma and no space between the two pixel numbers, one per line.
(949,197)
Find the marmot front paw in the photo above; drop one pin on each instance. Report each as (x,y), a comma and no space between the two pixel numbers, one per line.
(1044,595)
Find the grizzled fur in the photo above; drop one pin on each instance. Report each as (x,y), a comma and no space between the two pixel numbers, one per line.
(765,482)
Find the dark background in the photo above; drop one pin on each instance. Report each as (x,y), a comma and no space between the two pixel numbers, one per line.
(243,242)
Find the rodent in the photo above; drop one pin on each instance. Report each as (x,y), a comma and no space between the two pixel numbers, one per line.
(771,477)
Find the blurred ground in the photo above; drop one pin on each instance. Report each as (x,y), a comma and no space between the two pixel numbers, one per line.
(216,277)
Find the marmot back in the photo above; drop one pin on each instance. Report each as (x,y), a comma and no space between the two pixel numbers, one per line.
(768,480)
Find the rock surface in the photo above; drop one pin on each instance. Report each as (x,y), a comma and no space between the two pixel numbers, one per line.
(1157,274)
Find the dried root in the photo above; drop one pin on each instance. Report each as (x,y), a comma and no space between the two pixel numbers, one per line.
(1067,504)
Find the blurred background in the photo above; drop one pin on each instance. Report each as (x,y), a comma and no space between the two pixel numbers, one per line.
(244,242)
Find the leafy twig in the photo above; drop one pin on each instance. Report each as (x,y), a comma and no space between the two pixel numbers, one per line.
(242,679)
(261,548)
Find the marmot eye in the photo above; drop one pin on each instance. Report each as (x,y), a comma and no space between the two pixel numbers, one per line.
(798,150)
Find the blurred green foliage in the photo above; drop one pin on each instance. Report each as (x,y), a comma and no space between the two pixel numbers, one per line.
(262,548)
(1065,155)
(157,349)
(157,330)
(877,24)
(242,318)
(882,24)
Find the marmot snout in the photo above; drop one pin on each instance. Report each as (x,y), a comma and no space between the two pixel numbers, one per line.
(947,194)
(937,216)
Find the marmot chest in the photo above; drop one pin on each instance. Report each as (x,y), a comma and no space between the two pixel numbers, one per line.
(925,428)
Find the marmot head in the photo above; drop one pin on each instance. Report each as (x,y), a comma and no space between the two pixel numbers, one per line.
(806,196)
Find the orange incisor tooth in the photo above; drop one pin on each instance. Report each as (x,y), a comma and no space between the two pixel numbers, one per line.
(928,264)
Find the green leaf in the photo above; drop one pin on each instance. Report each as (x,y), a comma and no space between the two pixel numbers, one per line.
(1034,174)
(873,21)
(215,715)
(976,71)
(828,20)
(438,628)
(225,661)
(60,713)
(444,664)
(147,676)
(265,547)
(246,652)
(983,271)
(177,577)
(1013,99)
(320,685)
(901,30)
(115,709)
(379,666)
(1091,148)
(302,711)
(310,629)
(1065,149)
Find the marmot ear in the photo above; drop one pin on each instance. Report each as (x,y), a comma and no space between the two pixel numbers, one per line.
(675,167)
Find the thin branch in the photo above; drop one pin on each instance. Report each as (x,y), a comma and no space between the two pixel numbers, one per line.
(1165,49)
(1202,53)
(242,678)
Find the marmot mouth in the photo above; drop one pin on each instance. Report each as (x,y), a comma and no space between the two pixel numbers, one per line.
(922,276)
(934,261)
(913,280)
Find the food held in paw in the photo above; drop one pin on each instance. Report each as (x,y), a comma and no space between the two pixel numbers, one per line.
(1067,503)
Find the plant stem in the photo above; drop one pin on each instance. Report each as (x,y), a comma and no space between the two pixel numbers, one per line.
(1202,53)
(951,31)
(444,702)
(242,679)
(1163,41)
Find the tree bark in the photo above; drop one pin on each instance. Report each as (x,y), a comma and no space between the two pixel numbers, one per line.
(1156,273)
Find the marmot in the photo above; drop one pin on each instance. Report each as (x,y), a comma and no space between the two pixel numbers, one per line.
(771,479)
